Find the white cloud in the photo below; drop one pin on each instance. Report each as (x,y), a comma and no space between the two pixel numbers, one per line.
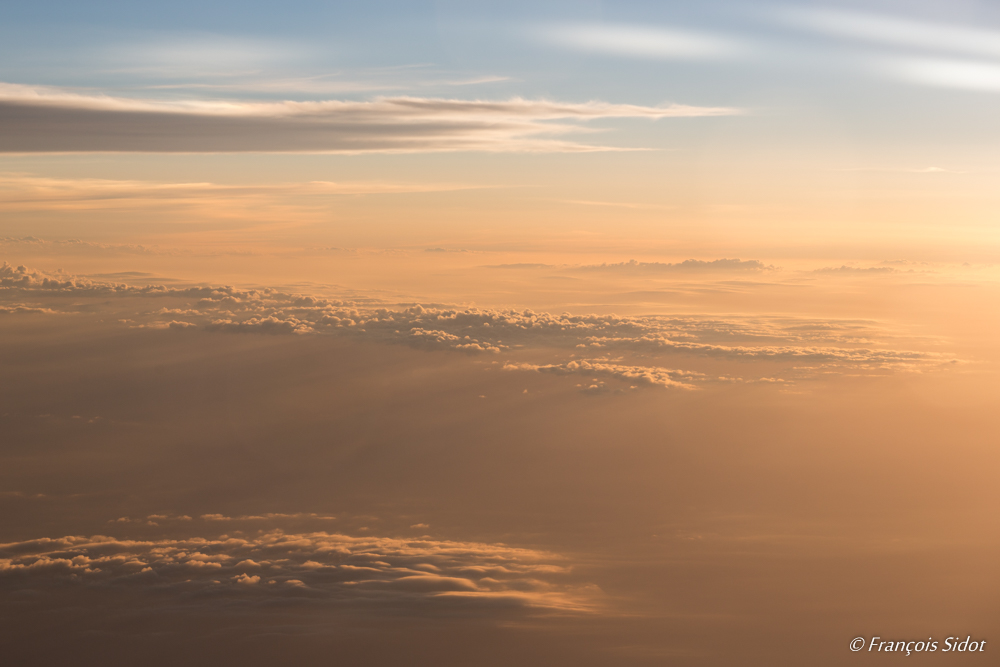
(929,53)
(895,30)
(639,41)
(36,119)
(947,73)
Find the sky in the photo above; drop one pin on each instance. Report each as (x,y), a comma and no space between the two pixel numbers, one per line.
(451,333)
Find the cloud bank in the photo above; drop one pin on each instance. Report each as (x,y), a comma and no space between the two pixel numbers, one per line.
(825,346)
(356,573)
(36,119)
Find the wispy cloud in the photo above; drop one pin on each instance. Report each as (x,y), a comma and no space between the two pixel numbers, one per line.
(688,265)
(905,170)
(639,41)
(31,192)
(895,31)
(331,84)
(199,54)
(947,73)
(613,204)
(928,53)
(37,119)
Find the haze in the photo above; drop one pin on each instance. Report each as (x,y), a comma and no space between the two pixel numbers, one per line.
(479,333)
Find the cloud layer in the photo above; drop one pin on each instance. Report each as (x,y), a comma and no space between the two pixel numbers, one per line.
(804,346)
(37,119)
(358,573)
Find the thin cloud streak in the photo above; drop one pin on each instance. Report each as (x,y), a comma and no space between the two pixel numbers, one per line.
(38,119)
(639,41)
(947,73)
(904,170)
(930,48)
(329,84)
(200,54)
(895,31)
(29,192)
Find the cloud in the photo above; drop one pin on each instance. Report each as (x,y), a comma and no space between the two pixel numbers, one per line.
(36,243)
(638,41)
(614,204)
(859,357)
(947,73)
(688,265)
(338,570)
(839,344)
(634,266)
(895,30)
(152,519)
(919,37)
(522,265)
(645,375)
(172,324)
(199,54)
(19,192)
(856,269)
(270,516)
(20,309)
(905,170)
(36,119)
(366,81)
(220,62)
(267,325)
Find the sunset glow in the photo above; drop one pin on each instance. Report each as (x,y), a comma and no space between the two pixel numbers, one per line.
(476,333)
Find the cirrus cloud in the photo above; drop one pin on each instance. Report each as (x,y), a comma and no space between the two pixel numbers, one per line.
(640,41)
(39,119)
